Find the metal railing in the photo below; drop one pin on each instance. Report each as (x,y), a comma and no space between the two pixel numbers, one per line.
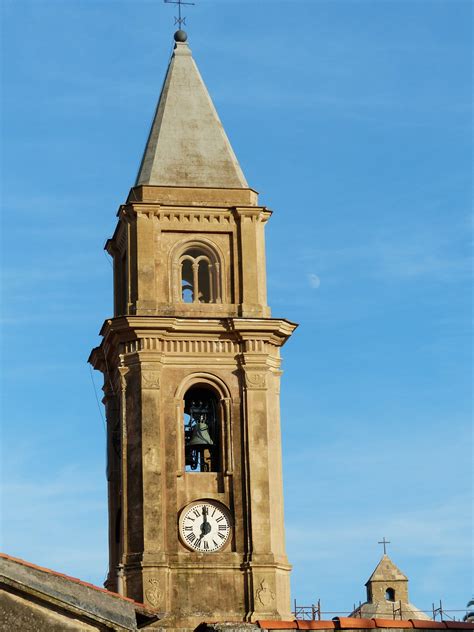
(315,613)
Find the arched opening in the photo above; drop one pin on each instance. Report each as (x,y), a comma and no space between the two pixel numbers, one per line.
(390,594)
(204,281)
(201,430)
(199,271)
(187,292)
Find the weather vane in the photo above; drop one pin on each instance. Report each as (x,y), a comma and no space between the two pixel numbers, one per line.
(179,20)
(384,542)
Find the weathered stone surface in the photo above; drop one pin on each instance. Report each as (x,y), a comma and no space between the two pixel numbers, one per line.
(22,613)
(35,599)
(187,145)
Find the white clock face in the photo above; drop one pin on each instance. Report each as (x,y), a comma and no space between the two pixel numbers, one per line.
(204,526)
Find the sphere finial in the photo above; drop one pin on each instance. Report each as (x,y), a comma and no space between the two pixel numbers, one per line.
(180,36)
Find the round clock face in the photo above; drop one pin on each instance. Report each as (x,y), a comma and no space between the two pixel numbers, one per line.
(204,526)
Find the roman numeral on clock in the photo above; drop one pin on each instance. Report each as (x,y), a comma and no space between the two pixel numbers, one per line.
(222,527)
(206,545)
(191,537)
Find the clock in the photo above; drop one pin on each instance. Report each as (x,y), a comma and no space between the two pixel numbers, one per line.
(205,526)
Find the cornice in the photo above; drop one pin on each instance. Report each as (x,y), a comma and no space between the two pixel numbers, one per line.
(244,326)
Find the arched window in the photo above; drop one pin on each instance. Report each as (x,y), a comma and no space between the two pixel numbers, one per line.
(390,594)
(187,280)
(201,430)
(200,275)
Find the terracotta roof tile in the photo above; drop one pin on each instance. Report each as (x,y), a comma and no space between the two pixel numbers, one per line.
(354,623)
(278,625)
(463,625)
(391,623)
(316,625)
(420,623)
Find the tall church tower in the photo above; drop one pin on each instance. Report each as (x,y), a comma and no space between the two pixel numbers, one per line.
(191,364)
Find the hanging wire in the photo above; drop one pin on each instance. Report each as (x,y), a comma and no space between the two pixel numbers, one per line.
(108,259)
(108,374)
(97,399)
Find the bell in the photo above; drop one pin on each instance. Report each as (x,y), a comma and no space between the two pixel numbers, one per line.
(200,435)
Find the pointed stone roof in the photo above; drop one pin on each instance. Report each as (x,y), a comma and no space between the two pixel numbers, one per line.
(386,571)
(187,145)
(387,595)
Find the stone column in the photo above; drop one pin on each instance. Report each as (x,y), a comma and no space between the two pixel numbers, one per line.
(252,262)
(268,574)
(145,268)
(155,563)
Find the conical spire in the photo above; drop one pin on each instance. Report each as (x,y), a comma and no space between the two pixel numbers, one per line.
(187,145)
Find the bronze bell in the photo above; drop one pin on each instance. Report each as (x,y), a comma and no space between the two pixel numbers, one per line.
(200,435)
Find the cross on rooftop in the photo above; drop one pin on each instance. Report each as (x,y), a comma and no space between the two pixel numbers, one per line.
(179,20)
(384,542)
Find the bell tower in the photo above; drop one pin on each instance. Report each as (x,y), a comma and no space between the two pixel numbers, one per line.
(191,365)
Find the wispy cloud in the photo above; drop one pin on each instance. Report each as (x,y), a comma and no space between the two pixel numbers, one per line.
(448,536)
(68,511)
(408,255)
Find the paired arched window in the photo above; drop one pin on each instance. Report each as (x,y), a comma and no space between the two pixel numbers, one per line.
(200,275)
(390,594)
(202,433)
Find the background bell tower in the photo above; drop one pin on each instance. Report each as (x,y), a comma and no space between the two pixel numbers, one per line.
(191,364)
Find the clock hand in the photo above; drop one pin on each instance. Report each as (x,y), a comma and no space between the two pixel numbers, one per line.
(205,527)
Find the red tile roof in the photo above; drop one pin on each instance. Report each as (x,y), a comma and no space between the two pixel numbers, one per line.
(353,623)
(388,623)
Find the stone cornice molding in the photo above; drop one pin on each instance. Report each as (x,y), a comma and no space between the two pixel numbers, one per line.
(125,328)
(254,213)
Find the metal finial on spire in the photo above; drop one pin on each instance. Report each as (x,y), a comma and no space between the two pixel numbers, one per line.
(179,20)
(384,542)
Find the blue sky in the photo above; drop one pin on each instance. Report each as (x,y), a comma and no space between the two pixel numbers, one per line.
(353,120)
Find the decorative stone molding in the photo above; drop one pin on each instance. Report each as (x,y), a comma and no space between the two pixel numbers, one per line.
(150,379)
(200,346)
(254,380)
(223,219)
(264,594)
(123,370)
(184,345)
(153,593)
(256,346)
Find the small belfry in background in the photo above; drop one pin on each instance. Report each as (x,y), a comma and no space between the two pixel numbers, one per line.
(387,593)
(191,364)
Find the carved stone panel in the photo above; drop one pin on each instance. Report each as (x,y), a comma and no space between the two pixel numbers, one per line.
(153,594)
(256,380)
(150,379)
(264,595)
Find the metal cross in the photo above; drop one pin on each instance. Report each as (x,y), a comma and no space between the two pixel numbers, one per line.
(384,542)
(179,20)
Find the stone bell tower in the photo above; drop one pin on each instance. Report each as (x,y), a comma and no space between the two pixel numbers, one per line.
(191,365)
